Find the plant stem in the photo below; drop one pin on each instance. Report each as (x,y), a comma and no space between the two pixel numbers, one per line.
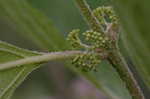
(89,16)
(115,58)
(118,62)
(39,59)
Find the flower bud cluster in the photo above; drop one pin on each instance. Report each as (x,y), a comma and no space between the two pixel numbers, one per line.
(91,58)
(105,15)
(87,61)
(73,38)
(95,41)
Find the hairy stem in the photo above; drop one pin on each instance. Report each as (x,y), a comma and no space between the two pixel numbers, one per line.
(39,59)
(115,58)
(120,65)
(89,16)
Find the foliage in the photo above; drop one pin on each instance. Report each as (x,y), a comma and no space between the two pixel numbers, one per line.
(10,79)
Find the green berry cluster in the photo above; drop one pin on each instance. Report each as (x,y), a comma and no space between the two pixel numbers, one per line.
(91,58)
(96,39)
(73,38)
(105,15)
(87,61)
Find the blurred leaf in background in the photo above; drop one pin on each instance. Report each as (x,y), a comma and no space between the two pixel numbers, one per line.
(11,78)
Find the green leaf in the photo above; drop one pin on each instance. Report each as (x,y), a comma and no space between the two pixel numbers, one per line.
(134,16)
(11,78)
(32,23)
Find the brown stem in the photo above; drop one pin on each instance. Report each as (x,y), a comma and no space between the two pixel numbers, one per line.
(120,65)
(89,16)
